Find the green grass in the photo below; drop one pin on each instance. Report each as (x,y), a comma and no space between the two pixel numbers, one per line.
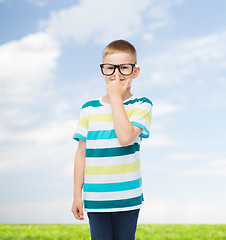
(181,232)
(81,232)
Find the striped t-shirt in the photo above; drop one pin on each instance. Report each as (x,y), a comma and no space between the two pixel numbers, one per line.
(112,180)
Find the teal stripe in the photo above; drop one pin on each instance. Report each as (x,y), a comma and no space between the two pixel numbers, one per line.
(104,134)
(143,99)
(112,152)
(112,187)
(142,135)
(123,203)
(96,103)
(93,103)
(76,136)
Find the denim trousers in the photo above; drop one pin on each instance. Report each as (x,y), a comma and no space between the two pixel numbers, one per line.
(113,225)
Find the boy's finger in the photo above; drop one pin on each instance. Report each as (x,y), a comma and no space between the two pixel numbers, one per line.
(76,214)
(81,213)
(127,84)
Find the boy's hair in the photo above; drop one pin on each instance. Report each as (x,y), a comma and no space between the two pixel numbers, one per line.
(120,46)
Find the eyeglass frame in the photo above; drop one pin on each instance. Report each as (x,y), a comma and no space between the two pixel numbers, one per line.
(117,66)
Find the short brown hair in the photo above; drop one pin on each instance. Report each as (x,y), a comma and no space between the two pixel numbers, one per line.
(120,46)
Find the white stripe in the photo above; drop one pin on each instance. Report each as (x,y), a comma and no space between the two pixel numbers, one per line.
(114,209)
(145,106)
(103,143)
(99,109)
(95,126)
(113,195)
(107,108)
(81,130)
(112,178)
(110,161)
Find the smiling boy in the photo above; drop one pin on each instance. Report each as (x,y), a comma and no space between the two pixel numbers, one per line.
(107,162)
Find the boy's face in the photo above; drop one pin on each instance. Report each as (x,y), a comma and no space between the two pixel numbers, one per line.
(117,59)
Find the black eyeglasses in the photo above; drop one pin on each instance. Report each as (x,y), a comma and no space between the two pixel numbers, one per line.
(125,68)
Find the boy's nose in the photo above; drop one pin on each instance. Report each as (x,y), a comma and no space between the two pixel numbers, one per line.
(117,71)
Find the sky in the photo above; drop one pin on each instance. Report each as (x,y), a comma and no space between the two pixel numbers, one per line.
(50,51)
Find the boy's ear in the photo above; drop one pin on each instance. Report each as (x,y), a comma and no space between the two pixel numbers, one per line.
(136,72)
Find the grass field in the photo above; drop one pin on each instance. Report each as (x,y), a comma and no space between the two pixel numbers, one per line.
(81,232)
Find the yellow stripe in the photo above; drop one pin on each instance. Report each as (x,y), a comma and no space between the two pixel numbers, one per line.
(108,117)
(115,169)
(100,117)
(83,122)
(139,112)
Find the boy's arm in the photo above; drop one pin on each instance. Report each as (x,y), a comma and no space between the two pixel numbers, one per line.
(79,168)
(125,131)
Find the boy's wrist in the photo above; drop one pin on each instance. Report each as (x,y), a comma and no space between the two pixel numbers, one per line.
(77,194)
(76,199)
(115,98)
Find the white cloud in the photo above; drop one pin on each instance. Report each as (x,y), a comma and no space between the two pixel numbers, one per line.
(148,37)
(52,132)
(149,34)
(26,65)
(102,23)
(193,211)
(48,211)
(160,10)
(13,118)
(38,3)
(47,144)
(189,156)
(215,167)
(159,140)
(163,108)
(61,108)
(67,170)
(157,25)
(159,13)
(35,156)
(96,20)
(218,163)
(186,60)
(206,171)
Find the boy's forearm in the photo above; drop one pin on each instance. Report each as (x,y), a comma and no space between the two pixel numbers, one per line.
(78,179)
(79,168)
(123,127)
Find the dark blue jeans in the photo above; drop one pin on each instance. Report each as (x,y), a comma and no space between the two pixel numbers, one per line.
(113,225)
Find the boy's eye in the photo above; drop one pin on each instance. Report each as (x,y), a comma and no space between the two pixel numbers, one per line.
(124,67)
(110,67)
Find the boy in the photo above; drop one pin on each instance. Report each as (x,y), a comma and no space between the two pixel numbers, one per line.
(107,164)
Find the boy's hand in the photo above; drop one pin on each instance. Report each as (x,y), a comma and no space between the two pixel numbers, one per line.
(77,209)
(115,87)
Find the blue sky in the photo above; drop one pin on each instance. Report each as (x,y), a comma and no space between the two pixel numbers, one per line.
(50,52)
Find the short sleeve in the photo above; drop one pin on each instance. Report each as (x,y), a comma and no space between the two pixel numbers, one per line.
(141,116)
(82,127)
